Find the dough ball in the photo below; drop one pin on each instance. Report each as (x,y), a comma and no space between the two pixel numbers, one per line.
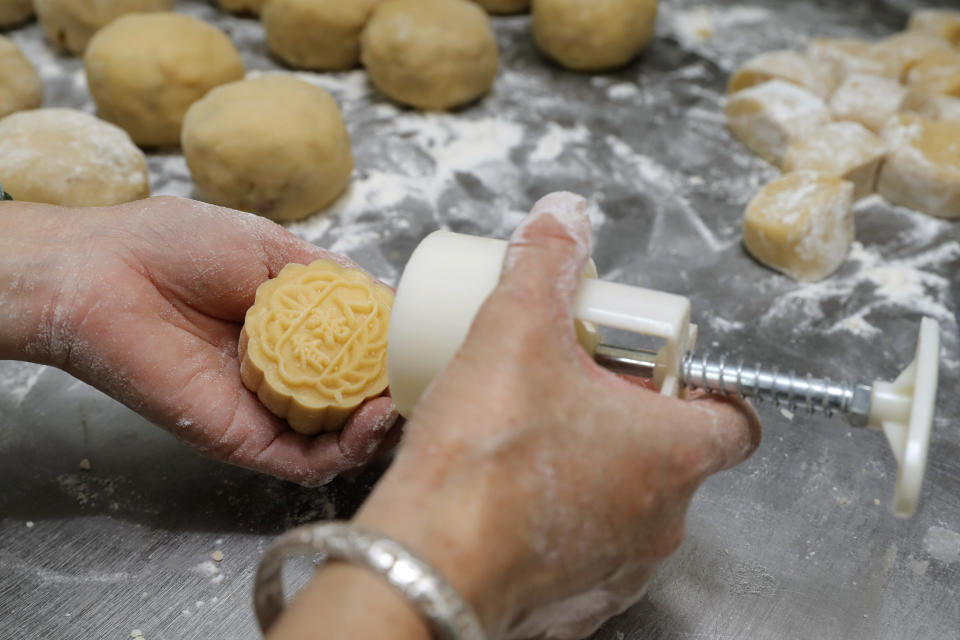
(317,34)
(273,145)
(20,84)
(843,149)
(242,6)
(504,7)
(922,170)
(593,35)
(14,12)
(801,224)
(145,70)
(869,100)
(944,23)
(768,116)
(789,66)
(70,158)
(848,55)
(430,54)
(70,24)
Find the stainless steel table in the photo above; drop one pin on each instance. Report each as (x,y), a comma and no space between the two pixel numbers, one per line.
(796,543)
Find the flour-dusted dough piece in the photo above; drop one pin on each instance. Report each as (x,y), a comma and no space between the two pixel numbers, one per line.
(596,35)
(922,170)
(314,344)
(430,54)
(932,106)
(13,12)
(70,24)
(790,66)
(20,84)
(70,158)
(768,116)
(843,149)
(273,145)
(869,100)
(902,51)
(944,23)
(317,34)
(504,7)
(253,7)
(847,56)
(146,69)
(938,72)
(801,224)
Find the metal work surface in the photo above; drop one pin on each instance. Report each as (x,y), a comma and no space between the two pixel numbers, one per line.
(798,542)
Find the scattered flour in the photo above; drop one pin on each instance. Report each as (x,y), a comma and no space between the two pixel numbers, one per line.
(942,544)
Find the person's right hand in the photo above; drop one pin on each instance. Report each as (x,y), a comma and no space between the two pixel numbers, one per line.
(545,488)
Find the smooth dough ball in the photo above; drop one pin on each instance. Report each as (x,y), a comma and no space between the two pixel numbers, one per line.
(15,11)
(593,35)
(317,34)
(145,70)
(20,84)
(430,54)
(922,170)
(504,7)
(242,6)
(70,24)
(869,100)
(273,145)
(789,66)
(843,149)
(70,158)
(801,224)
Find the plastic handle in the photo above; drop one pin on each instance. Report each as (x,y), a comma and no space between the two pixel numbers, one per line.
(450,275)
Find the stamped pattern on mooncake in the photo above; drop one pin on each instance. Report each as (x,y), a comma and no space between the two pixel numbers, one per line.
(314,344)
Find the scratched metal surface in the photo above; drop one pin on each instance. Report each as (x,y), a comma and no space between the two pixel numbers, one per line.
(792,544)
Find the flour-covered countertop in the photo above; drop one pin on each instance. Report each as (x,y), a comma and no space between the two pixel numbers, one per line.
(798,542)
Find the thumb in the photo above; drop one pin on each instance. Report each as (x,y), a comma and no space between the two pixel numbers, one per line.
(547,254)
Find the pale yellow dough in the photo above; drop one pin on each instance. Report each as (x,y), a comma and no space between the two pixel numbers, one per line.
(14,12)
(847,56)
(69,158)
(790,66)
(314,344)
(317,34)
(593,35)
(242,6)
(430,54)
(944,23)
(922,171)
(273,145)
(20,84)
(902,51)
(867,99)
(504,7)
(70,24)
(843,149)
(801,224)
(145,70)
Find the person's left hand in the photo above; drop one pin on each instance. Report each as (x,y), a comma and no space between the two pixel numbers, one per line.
(148,308)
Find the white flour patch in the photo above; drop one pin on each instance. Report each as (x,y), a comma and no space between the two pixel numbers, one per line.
(556,139)
(942,544)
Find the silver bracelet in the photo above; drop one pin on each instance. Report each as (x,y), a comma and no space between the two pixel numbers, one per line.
(449,617)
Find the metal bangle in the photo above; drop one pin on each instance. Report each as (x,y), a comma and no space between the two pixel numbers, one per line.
(449,617)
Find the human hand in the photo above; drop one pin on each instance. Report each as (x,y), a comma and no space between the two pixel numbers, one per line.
(545,488)
(145,301)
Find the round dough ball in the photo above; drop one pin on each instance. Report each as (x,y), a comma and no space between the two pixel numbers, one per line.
(317,34)
(70,158)
(431,54)
(70,24)
(273,145)
(14,12)
(504,7)
(146,69)
(593,35)
(20,85)
(242,6)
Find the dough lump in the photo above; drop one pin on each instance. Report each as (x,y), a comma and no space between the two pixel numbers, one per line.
(430,54)
(70,24)
(14,12)
(273,145)
(70,158)
(867,99)
(314,344)
(20,85)
(801,224)
(504,7)
(317,34)
(944,23)
(145,70)
(790,66)
(242,6)
(843,149)
(593,35)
